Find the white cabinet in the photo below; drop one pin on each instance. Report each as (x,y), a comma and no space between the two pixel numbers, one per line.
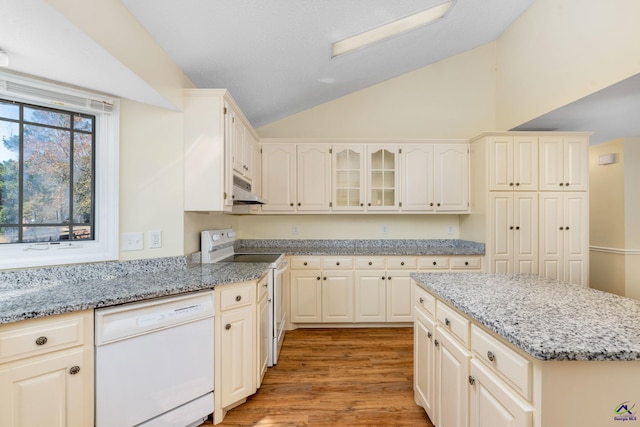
(348,177)
(564,243)
(263,327)
(451,381)
(564,163)
(399,304)
(493,404)
(279,177)
(337,296)
(47,371)
(513,163)
(382,183)
(451,177)
(370,296)
(417,177)
(424,361)
(236,350)
(313,187)
(514,232)
(215,133)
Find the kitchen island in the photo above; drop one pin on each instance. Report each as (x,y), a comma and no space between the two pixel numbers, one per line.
(528,351)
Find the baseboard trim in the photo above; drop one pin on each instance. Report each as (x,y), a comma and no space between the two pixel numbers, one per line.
(616,251)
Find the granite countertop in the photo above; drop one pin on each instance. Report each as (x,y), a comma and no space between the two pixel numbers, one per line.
(549,320)
(62,294)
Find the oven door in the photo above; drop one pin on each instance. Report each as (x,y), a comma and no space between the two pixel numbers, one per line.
(278,310)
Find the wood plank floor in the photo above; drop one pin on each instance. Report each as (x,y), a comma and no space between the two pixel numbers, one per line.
(337,377)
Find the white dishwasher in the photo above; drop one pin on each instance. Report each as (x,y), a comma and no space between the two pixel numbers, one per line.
(154,362)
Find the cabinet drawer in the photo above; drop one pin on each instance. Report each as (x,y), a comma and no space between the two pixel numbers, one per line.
(40,336)
(453,322)
(434,263)
(305,263)
(402,263)
(508,364)
(371,263)
(461,263)
(236,296)
(337,263)
(425,300)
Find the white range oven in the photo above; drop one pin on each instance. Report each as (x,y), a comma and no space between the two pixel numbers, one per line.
(218,246)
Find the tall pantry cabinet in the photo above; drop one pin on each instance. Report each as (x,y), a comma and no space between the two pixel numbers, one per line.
(529,203)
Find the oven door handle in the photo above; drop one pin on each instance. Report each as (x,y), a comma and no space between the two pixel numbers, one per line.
(282,268)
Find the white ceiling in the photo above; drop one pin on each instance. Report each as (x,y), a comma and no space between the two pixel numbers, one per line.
(274,55)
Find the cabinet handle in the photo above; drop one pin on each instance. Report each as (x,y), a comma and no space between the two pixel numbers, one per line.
(438,204)
(491,356)
(227,326)
(472,380)
(436,343)
(291,204)
(382,277)
(238,298)
(430,204)
(566,228)
(561,184)
(305,263)
(361,204)
(337,262)
(299,204)
(511,184)
(324,278)
(41,341)
(435,263)
(447,321)
(368,204)
(421,300)
(466,263)
(561,228)
(511,227)
(318,278)
(518,227)
(74,370)
(370,263)
(567,184)
(388,277)
(517,184)
(429,335)
(402,263)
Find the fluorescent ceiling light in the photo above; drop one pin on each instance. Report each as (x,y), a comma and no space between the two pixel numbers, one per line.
(391,29)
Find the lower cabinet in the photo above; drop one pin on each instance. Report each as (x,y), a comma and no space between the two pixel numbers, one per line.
(451,374)
(46,371)
(262,326)
(424,362)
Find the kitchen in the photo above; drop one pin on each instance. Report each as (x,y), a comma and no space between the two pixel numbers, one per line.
(467,82)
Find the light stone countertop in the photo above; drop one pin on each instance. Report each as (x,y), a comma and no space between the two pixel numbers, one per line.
(549,320)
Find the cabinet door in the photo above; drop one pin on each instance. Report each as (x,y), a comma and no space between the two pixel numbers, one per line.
(423,362)
(501,163)
(238,363)
(314,177)
(306,296)
(525,232)
(44,392)
(416,169)
(237,144)
(452,177)
(551,163)
(551,237)
(279,177)
(264,339)
(337,296)
(250,156)
(348,177)
(502,228)
(576,163)
(399,296)
(492,404)
(370,296)
(525,163)
(382,180)
(452,382)
(575,238)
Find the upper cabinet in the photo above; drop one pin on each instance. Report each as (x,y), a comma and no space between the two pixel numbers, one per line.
(219,143)
(564,163)
(337,176)
(513,163)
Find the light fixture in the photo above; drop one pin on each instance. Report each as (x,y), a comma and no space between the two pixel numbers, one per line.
(391,29)
(4,59)
(607,159)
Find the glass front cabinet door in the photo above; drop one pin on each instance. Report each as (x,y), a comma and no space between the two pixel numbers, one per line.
(382,169)
(348,177)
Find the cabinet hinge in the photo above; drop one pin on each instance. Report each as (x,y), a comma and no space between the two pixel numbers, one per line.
(225,110)
(467,151)
(330,150)
(400,151)
(330,204)
(224,196)
(400,204)
(260,150)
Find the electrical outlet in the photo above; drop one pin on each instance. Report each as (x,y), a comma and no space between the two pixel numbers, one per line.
(154,239)
(295,230)
(385,229)
(450,229)
(132,241)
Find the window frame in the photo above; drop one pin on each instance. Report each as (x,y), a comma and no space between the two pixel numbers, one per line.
(104,247)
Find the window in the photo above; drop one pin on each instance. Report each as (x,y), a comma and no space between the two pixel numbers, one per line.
(58,174)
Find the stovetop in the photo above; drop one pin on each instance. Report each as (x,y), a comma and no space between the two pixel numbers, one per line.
(252,258)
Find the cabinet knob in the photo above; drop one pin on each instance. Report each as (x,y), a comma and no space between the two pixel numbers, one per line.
(511,227)
(291,204)
(337,262)
(430,204)
(361,204)
(438,204)
(562,184)
(324,278)
(491,356)
(472,380)
(429,335)
(436,343)
(518,227)
(435,263)
(238,297)
(227,326)
(517,184)
(511,184)
(305,263)
(382,277)
(318,278)
(388,277)
(566,228)
(370,263)
(74,370)
(368,204)
(561,228)
(566,185)
(402,263)
(466,263)
(41,340)
(447,321)
(299,204)
(421,300)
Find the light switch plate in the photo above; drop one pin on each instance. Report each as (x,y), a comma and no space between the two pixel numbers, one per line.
(155,239)
(132,241)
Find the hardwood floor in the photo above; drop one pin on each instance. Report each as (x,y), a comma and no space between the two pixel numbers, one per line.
(337,377)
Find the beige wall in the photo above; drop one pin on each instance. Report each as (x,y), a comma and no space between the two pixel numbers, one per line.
(559,51)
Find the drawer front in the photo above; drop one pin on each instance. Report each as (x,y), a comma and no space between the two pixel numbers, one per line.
(425,300)
(370,263)
(510,366)
(236,296)
(40,336)
(402,263)
(434,263)
(453,322)
(305,263)
(461,263)
(337,263)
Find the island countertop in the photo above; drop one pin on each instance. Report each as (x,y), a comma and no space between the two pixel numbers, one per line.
(549,320)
